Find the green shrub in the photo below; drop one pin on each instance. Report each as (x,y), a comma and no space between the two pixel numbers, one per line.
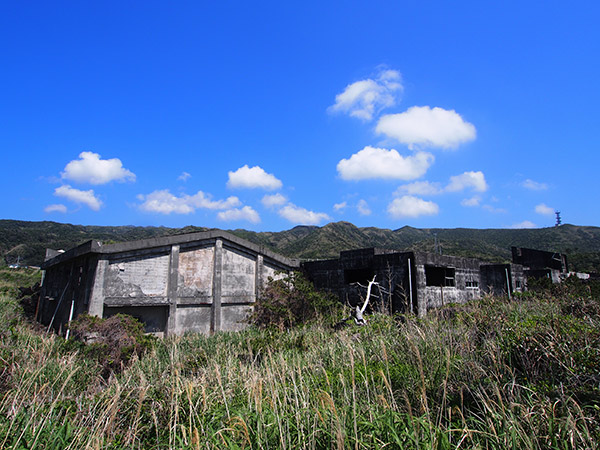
(290,301)
(113,341)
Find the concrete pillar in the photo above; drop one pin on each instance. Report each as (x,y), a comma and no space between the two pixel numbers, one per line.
(96,307)
(259,275)
(172,290)
(215,313)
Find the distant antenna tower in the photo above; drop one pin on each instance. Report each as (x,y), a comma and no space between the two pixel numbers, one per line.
(558,221)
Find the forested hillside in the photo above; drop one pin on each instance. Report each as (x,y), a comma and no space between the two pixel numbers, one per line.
(27,241)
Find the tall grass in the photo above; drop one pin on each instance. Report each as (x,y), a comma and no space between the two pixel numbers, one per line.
(491,374)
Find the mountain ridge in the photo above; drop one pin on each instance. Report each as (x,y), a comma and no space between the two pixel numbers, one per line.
(26,241)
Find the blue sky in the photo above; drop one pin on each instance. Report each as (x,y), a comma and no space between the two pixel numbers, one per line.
(267,115)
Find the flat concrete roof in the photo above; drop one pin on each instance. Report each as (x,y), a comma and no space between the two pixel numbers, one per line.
(99,248)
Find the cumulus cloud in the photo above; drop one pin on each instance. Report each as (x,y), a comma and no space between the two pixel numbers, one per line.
(89,168)
(253,178)
(372,162)
(271,201)
(362,99)
(302,216)
(410,206)
(467,180)
(340,206)
(246,213)
(524,224)
(163,202)
(471,202)
(420,188)
(55,208)
(87,198)
(363,208)
(423,126)
(184,176)
(544,209)
(534,185)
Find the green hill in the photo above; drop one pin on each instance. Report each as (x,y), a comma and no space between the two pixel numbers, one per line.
(27,241)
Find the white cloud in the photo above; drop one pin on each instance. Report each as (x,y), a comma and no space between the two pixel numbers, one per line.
(473,180)
(340,206)
(301,216)
(534,185)
(245,213)
(184,176)
(252,178)
(371,162)
(420,188)
(493,210)
(55,208)
(93,170)
(80,197)
(364,98)
(409,206)
(544,210)
(471,202)
(363,208)
(426,127)
(271,201)
(524,224)
(164,202)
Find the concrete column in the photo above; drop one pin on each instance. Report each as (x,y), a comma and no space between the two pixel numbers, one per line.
(259,282)
(215,313)
(96,306)
(172,289)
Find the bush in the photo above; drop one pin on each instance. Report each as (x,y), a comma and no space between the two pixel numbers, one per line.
(291,301)
(113,341)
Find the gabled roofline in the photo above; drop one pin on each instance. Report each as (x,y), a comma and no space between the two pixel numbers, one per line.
(98,248)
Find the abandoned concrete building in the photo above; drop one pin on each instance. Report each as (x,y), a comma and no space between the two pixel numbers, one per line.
(416,281)
(412,281)
(199,282)
(207,282)
(540,264)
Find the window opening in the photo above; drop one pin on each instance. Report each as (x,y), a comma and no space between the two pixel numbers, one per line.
(358,275)
(440,276)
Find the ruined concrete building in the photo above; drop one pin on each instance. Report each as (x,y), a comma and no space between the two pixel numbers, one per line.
(416,282)
(207,282)
(200,282)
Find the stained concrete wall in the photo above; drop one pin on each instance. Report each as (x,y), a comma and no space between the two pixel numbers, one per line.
(465,270)
(496,279)
(202,282)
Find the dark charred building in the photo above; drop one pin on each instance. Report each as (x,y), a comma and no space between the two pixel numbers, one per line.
(541,264)
(412,281)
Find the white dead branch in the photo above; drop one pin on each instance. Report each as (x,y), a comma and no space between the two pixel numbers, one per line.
(358,314)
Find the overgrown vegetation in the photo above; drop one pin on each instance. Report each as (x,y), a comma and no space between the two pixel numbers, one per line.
(492,374)
(291,300)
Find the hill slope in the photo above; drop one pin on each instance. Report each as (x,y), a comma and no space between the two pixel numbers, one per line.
(28,240)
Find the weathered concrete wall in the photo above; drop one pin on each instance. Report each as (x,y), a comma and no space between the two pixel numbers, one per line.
(137,275)
(196,269)
(239,277)
(193,319)
(496,279)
